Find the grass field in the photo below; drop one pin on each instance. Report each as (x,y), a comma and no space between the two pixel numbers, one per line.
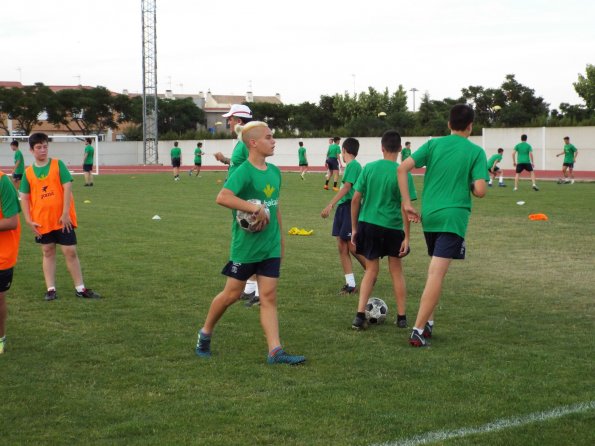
(514,334)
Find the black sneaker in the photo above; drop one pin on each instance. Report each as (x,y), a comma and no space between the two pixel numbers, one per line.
(417,340)
(501,185)
(50,295)
(347,289)
(401,323)
(427,331)
(203,346)
(359,323)
(254,300)
(87,293)
(247,296)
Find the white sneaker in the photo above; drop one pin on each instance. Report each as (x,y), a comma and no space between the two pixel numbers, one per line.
(515,189)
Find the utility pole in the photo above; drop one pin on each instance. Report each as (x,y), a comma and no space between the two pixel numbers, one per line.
(413,90)
(150,111)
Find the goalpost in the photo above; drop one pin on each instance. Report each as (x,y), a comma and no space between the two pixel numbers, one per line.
(70,149)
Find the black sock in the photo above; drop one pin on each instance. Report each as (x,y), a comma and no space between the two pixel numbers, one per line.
(326,184)
(401,317)
(335,184)
(361,315)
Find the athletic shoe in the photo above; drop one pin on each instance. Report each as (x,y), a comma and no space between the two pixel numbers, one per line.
(87,294)
(501,185)
(254,300)
(417,340)
(336,189)
(326,187)
(347,289)
(571,181)
(359,323)
(87,185)
(50,295)
(190,173)
(427,331)
(302,177)
(535,188)
(203,346)
(247,296)
(515,189)
(281,357)
(2,344)
(567,181)
(489,184)
(401,323)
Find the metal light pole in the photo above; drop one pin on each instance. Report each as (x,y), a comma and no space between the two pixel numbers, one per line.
(149,30)
(413,90)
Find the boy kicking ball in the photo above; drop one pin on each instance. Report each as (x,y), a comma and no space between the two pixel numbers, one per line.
(253,252)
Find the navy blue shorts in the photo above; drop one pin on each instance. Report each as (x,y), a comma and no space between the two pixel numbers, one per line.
(58,237)
(373,241)
(5,279)
(17,176)
(175,162)
(571,165)
(303,164)
(87,167)
(243,271)
(445,245)
(198,164)
(524,166)
(332,163)
(494,170)
(342,221)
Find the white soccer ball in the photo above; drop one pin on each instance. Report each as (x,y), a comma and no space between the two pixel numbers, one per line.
(246,220)
(376,310)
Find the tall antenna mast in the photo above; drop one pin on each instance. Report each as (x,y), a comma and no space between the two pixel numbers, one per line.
(150,136)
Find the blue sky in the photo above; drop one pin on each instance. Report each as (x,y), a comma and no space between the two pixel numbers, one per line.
(306,49)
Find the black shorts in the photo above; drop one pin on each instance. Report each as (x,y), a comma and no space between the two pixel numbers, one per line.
(571,165)
(243,271)
(373,241)
(175,162)
(342,221)
(445,245)
(5,279)
(303,164)
(198,164)
(524,166)
(494,170)
(17,176)
(58,237)
(87,167)
(332,163)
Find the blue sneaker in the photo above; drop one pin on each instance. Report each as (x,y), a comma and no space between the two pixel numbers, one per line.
(280,357)
(203,346)
(417,340)
(427,331)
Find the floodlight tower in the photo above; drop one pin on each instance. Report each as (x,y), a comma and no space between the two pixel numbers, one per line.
(150,136)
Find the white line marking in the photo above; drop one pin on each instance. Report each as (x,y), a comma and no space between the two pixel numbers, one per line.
(504,423)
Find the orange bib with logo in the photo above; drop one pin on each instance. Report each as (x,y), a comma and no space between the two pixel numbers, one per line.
(9,243)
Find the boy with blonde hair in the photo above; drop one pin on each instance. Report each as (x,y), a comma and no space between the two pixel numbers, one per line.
(252,253)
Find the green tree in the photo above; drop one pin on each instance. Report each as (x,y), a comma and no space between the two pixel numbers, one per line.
(585,87)
(178,115)
(25,105)
(89,110)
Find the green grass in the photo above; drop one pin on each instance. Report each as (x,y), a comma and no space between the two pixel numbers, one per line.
(514,331)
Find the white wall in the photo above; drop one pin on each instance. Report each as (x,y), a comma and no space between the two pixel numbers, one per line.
(546,142)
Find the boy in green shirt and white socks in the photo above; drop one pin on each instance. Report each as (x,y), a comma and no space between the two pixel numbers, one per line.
(253,252)
(570,154)
(493,168)
(378,228)
(342,221)
(455,169)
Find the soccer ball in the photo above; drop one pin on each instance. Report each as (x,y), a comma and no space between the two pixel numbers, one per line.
(246,220)
(376,311)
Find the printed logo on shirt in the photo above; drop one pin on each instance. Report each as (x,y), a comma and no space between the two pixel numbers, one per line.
(45,193)
(268,191)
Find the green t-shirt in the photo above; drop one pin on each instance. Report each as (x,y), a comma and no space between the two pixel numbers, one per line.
(493,158)
(452,164)
(333,151)
(89,152)
(18,156)
(249,182)
(198,155)
(42,172)
(523,149)
(176,152)
(405,153)
(302,156)
(350,175)
(381,197)
(238,156)
(569,151)
(8,198)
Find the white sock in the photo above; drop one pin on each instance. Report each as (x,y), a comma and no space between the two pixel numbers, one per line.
(250,286)
(502,178)
(80,288)
(490,182)
(350,279)
(418,331)
(431,323)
